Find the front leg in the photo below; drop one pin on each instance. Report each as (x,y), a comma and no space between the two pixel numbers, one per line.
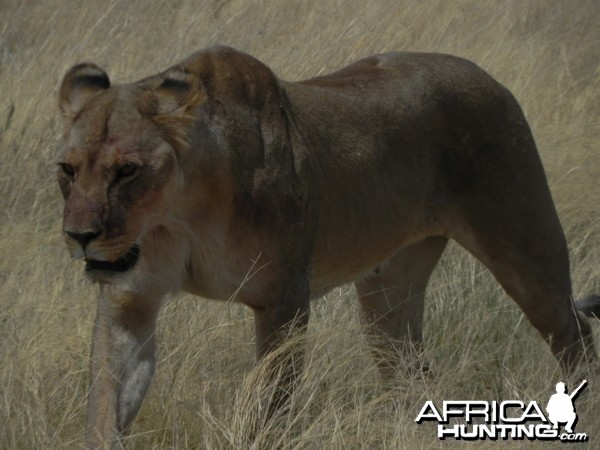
(285,314)
(121,365)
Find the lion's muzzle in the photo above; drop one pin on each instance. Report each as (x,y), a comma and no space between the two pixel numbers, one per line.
(123,264)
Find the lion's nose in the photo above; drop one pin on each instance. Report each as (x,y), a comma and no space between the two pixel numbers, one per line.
(84,238)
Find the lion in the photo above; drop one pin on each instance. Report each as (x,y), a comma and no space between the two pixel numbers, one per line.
(217,178)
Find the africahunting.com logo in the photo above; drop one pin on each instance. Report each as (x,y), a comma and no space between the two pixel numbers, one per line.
(511,419)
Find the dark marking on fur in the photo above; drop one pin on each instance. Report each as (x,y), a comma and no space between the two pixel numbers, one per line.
(173,84)
(91,81)
(590,306)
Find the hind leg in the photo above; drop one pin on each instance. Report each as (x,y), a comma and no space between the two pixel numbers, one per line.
(538,280)
(392,302)
(514,230)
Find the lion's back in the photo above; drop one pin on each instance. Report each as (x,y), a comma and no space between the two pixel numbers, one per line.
(425,129)
(407,74)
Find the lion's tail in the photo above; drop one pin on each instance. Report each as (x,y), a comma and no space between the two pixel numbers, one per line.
(590,306)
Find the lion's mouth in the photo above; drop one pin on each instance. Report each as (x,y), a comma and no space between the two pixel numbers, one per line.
(123,264)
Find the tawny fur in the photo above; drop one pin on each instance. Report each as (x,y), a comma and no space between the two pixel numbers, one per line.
(235,185)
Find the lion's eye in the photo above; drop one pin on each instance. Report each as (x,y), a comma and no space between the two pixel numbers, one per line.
(67,169)
(126,170)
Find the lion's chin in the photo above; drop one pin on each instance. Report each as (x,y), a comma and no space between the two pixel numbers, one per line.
(123,264)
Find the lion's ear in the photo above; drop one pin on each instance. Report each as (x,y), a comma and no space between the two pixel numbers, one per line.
(169,100)
(177,92)
(81,83)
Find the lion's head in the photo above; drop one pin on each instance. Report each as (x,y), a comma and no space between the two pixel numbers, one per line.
(171,152)
(119,170)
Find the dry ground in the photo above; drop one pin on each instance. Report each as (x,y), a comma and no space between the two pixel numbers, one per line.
(546,51)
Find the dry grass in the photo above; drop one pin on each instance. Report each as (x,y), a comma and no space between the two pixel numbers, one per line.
(206,389)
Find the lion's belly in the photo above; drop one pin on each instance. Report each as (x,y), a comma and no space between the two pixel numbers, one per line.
(336,266)
(351,248)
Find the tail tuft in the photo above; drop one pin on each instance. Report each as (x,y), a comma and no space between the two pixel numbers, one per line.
(590,306)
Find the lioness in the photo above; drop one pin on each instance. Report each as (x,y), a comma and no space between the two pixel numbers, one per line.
(194,178)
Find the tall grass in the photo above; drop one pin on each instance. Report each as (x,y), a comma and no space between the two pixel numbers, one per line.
(207,388)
